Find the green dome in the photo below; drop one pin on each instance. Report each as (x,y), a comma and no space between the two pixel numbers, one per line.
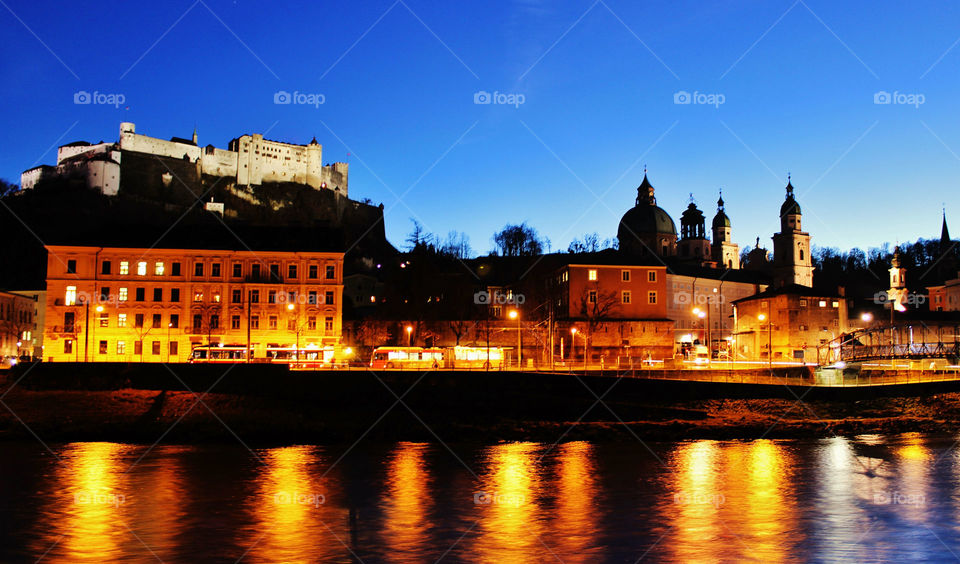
(721,220)
(790,205)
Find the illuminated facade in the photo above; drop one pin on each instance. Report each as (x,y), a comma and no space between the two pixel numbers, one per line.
(17,325)
(156,305)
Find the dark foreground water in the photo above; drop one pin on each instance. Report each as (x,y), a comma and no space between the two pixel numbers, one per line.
(869,498)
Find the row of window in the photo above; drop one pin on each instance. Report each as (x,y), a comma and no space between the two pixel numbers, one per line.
(212,322)
(625,275)
(626,297)
(173,347)
(312,297)
(200,268)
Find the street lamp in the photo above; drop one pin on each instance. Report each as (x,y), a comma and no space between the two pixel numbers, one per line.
(515,314)
(703,314)
(409,335)
(573,331)
(296,327)
(762,317)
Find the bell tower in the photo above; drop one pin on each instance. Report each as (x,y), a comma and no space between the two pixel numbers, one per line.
(791,246)
(725,252)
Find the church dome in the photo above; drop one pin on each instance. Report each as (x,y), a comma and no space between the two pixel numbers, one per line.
(645,217)
(790,205)
(721,219)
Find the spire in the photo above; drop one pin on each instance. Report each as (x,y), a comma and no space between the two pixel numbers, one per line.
(194,134)
(645,191)
(720,201)
(789,187)
(944,232)
(895,261)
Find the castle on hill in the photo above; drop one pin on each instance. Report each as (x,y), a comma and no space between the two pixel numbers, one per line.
(250,160)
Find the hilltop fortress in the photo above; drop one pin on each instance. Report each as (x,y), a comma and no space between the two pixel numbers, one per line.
(250,160)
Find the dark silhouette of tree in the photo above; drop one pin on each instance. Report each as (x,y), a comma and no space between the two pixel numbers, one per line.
(519,240)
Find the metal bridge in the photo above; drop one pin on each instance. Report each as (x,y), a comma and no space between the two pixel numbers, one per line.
(906,340)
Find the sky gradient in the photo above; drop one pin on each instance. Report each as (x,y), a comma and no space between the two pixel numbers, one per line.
(598,80)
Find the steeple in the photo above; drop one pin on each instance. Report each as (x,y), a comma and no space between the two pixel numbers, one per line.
(944,233)
(645,191)
(194,134)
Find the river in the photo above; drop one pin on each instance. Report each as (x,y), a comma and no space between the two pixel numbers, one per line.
(866,498)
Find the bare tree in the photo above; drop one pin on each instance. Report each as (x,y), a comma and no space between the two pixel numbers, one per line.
(520,240)
(596,306)
(456,245)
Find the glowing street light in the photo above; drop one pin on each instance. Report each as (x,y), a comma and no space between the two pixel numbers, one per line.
(409,335)
(573,331)
(867,317)
(515,314)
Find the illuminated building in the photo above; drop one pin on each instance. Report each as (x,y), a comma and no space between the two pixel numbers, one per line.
(18,315)
(157,304)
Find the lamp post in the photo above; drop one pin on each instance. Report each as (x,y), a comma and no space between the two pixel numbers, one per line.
(296,327)
(409,335)
(704,323)
(573,331)
(515,314)
(169,326)
(98,309)
(762,317)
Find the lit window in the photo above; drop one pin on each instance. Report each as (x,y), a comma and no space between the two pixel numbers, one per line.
(803,303)
(216,298)
(328,324)
(158,269)
(142,268)
(122,296)
(198,296)
(823,303)
(121,347)
(591,274)
(70,297)
(124,267)
(121,320)
(836,304)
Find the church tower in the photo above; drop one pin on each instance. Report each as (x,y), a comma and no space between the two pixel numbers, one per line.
(725,252)
(791,246)
(693,243)
(946,261)
(897,295)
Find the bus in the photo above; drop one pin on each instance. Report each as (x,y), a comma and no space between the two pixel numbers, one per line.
(406,357)
(449,357)
(309,358)
(219,354)
(475,357)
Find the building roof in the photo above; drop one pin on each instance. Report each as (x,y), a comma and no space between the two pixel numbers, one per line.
(790,290)
(790,205)
(721,219)
(645,217)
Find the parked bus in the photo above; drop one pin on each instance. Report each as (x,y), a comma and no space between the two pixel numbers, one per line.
(306,359)
(406,357)
(450,357)
(475,357)
(219,354)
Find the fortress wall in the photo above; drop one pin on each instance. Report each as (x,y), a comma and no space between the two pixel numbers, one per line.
(150,145)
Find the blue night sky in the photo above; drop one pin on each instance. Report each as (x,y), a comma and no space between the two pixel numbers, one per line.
(598,80)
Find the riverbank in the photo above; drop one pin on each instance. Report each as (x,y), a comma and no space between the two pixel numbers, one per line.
(341,408)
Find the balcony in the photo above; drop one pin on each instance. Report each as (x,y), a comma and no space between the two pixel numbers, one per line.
(65,329)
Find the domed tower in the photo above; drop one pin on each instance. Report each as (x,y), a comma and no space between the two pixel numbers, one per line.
(693,241)
(726,253)
(646,229)
(897,294)
(791,246)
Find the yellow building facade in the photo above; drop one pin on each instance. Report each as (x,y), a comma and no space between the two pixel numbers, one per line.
(159,305)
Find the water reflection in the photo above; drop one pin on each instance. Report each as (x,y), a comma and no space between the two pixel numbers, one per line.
(510,524)
(407,525)
(838,499)
(292,523)
(576,520)
(88,509)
